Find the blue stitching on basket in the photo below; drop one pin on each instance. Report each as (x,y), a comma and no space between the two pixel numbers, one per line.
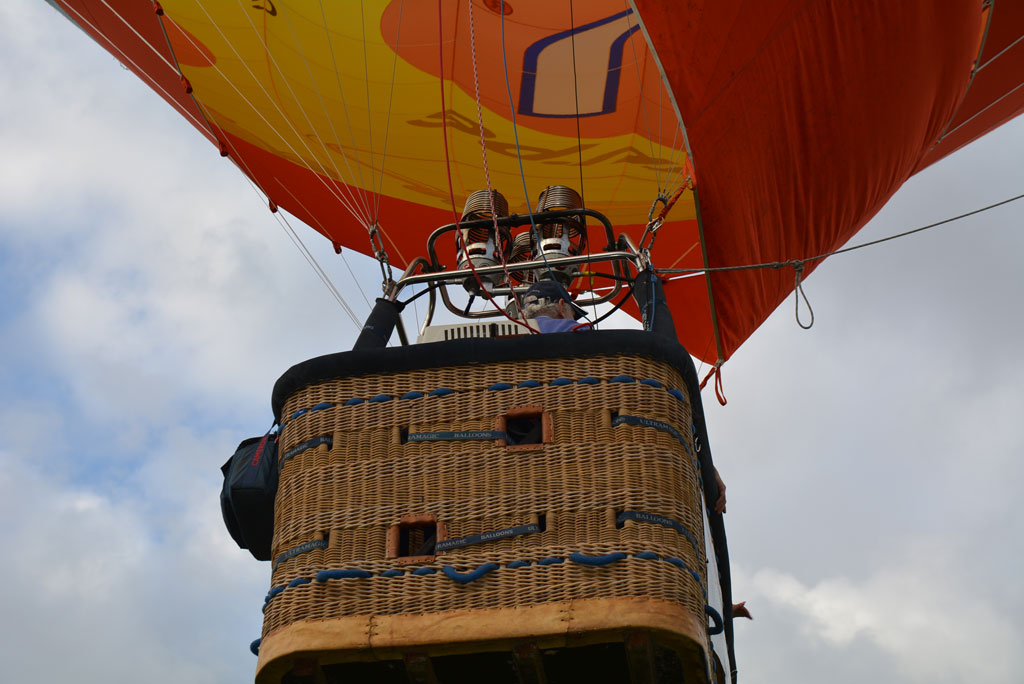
(480,571)
(596,561)
(466,578)
(325,575)
(498,386)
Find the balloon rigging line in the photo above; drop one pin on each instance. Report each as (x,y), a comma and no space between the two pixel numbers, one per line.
(673,170)
(298,104)
(988,11)
(1000,53)
(131,28)
(320,96)
(320,271)
(351,199)
(333,190)
(483,151)
(369,110)
(387,120)
(664,78)
(348,120)
(579,136)
(323,231)
(519,152)
(981,111)
(798,263)
(214,130)
(355,280)
(314,264)
(137,69)
(643,101)
(323,108)
(460,238)
(310,259)
(661,157)
(296,240)
(576,103)
(208,124)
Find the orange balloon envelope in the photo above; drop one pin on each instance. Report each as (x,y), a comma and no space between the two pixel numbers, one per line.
(792,121)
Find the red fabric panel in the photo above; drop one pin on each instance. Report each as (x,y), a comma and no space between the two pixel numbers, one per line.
(805,119)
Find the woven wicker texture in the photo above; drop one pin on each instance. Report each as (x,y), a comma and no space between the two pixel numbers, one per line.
(575,485)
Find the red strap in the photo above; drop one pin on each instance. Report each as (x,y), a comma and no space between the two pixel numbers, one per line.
(719,393)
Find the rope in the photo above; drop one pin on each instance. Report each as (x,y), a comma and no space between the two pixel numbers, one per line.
(798,288)
(819,257)
(716,371)
(798,268)
(515,134)
(211,125)
(483,153)
(448,170)
(316,89)
(348,120)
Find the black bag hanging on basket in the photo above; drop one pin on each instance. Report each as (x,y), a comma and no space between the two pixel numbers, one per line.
(247,498)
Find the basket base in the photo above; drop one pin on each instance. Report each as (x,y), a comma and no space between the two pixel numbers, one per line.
(610,640)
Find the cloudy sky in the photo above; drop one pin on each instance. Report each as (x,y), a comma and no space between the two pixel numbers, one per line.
(150,301)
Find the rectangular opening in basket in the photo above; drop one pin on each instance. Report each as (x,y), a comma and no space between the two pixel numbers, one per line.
(525,427)
(414,538)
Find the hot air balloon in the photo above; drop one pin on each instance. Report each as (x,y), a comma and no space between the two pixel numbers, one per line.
(727,147)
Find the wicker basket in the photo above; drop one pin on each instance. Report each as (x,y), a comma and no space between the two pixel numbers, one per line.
(583,536)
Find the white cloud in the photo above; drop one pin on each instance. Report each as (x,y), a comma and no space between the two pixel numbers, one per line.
(154,316)
(140,296)
(121,593)
(937,630)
